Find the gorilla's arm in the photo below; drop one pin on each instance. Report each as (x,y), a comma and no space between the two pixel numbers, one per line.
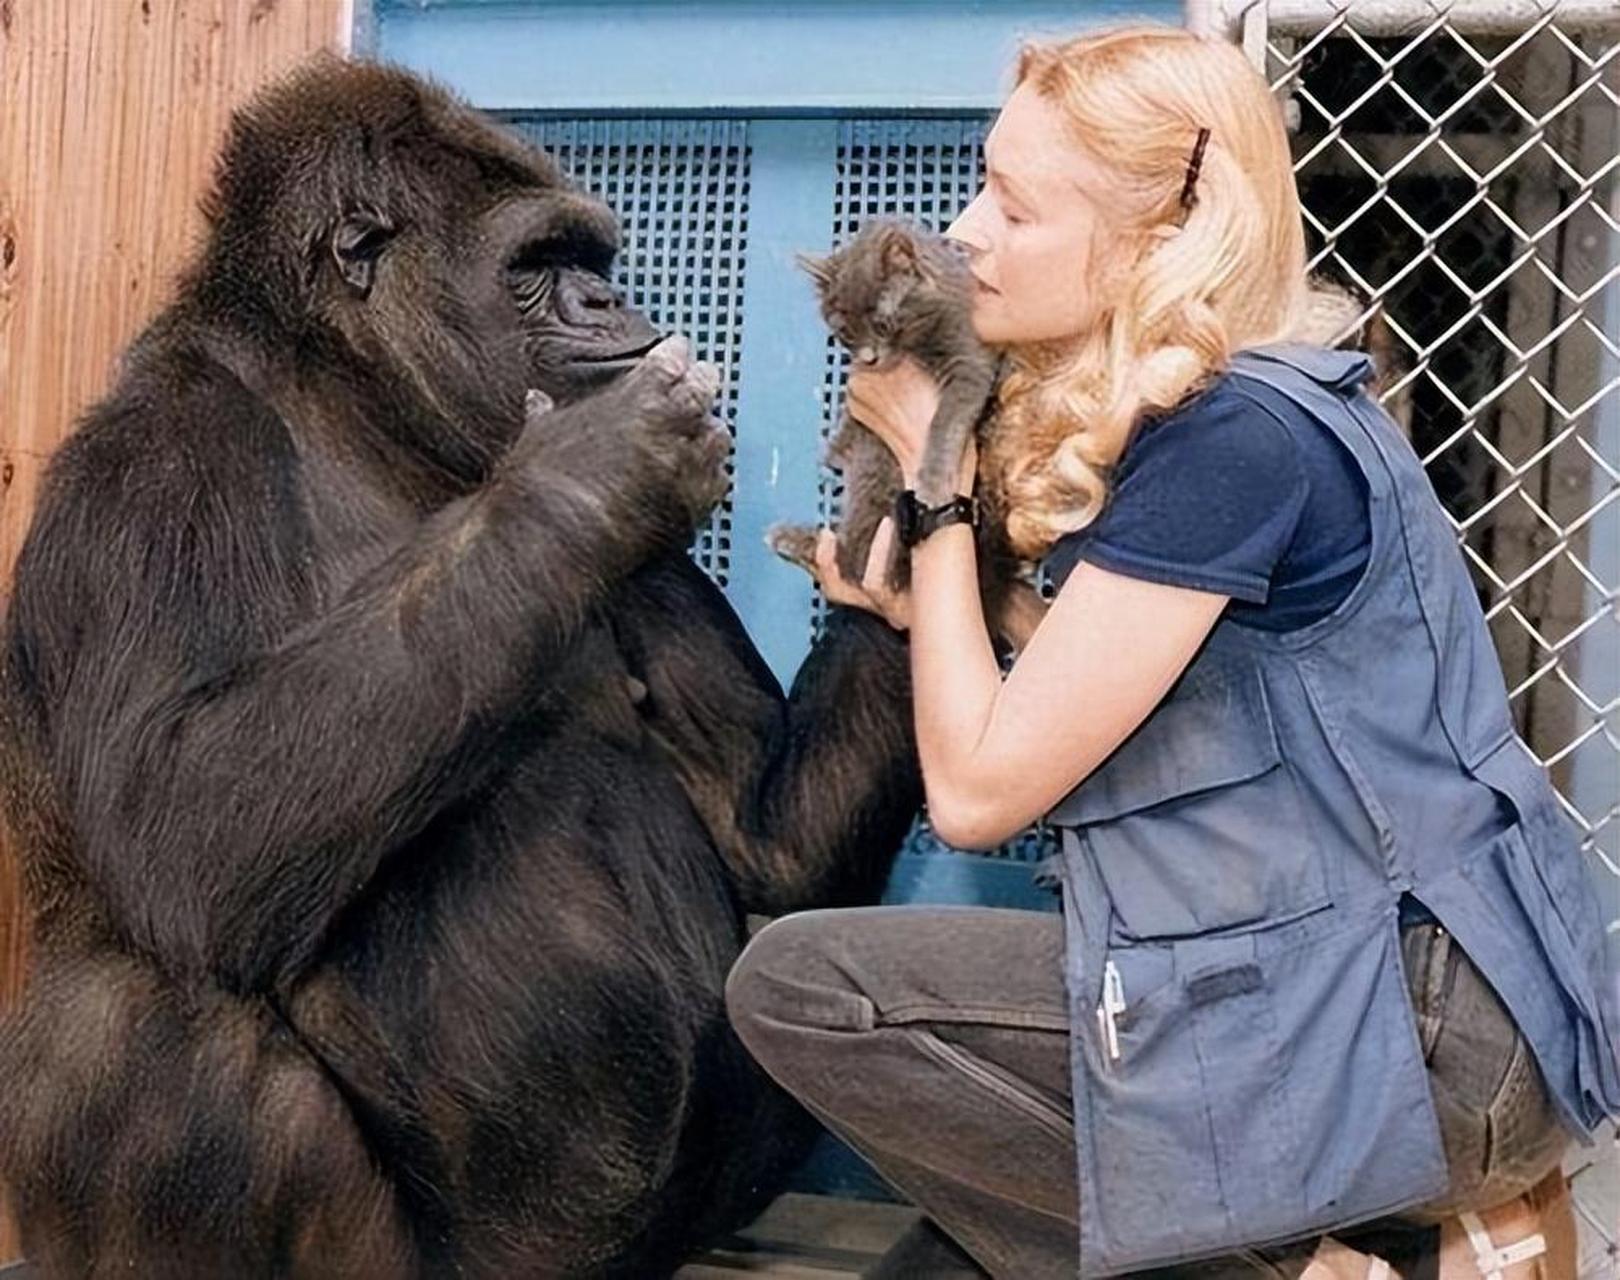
(808,797)
(239,756)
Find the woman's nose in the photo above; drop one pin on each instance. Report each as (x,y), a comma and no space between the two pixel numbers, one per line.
(966,229)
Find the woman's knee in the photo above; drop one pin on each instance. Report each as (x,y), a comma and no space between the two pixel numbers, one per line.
(788,987)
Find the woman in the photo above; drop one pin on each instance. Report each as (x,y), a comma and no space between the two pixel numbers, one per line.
(1327,953)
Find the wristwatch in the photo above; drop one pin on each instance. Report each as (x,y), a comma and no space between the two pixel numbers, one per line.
(913,521)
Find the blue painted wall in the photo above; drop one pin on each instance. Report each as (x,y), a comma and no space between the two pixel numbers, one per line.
(829,56)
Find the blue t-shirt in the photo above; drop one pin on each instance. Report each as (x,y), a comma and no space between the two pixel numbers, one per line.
(1238,491)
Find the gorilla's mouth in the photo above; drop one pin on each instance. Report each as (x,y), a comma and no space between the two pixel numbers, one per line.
(620,358)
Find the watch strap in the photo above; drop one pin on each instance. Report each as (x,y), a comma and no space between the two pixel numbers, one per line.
(914,521)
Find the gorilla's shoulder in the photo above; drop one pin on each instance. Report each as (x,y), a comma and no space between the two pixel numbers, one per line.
(175,413)
(179,448)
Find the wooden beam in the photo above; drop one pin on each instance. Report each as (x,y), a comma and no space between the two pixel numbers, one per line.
(109,116)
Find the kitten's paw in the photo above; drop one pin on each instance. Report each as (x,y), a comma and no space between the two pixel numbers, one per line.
(795,543)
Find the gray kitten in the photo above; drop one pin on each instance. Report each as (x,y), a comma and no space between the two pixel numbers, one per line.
(896,289)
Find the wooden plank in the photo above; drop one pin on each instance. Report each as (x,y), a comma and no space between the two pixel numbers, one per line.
(858,1226)
(807,1237)
(20,474)
(109,116)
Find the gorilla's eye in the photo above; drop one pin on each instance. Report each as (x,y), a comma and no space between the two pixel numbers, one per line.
(531,288)
(531,275)
(356,245)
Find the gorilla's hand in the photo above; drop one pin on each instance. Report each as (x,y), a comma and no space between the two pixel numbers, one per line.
(653,433)
(672,418)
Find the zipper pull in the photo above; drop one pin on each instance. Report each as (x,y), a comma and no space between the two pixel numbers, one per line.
(1113,1004)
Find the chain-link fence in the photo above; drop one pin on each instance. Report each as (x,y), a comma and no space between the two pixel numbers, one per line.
(1459,168)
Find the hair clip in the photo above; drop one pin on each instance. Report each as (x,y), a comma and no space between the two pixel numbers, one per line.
(1188,197)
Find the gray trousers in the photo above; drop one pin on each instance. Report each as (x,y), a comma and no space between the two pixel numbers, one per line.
(934,1040)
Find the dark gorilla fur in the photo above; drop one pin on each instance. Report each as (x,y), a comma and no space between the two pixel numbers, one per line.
(389,785)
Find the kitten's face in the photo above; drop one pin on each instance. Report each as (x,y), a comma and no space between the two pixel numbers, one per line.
(873,301)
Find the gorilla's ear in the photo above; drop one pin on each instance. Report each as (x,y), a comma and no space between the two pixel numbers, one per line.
(356,244)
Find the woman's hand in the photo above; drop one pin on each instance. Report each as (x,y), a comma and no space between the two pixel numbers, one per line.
(872,592)
(897,403)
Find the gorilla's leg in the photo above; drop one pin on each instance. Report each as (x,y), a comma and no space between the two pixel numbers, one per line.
(807,797)
(765,1133)
(182,1131)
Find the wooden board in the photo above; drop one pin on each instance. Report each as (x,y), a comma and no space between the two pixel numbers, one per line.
(804,1237)
(110,111)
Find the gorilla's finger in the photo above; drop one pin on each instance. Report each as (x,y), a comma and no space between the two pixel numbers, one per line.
(694,392)
(670,359)
(717,443)
(715,448)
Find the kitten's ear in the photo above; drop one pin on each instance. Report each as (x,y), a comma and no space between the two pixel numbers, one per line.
(819,269)
(899,251)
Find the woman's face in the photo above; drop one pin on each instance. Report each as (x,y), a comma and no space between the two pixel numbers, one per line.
(1037,236)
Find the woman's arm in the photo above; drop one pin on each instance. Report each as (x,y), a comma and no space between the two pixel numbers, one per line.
(997,754)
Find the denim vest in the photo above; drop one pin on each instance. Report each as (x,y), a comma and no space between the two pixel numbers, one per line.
(1247,1066)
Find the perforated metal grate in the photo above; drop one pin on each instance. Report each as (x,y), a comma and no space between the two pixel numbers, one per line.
(680,188)
(927,170)
(923,169)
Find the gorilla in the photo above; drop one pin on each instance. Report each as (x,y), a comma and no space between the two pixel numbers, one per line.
(390,787)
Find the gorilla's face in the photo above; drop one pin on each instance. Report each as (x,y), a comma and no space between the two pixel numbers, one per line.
(455,263)
(578,331)
(501,282)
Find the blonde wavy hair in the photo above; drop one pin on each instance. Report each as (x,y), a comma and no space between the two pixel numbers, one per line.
(1134,98)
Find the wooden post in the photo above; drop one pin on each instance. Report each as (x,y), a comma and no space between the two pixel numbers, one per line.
(110,111)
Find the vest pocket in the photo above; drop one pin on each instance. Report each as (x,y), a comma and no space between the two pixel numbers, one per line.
(1194,822)
(1192,1133)
(1272,1086)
